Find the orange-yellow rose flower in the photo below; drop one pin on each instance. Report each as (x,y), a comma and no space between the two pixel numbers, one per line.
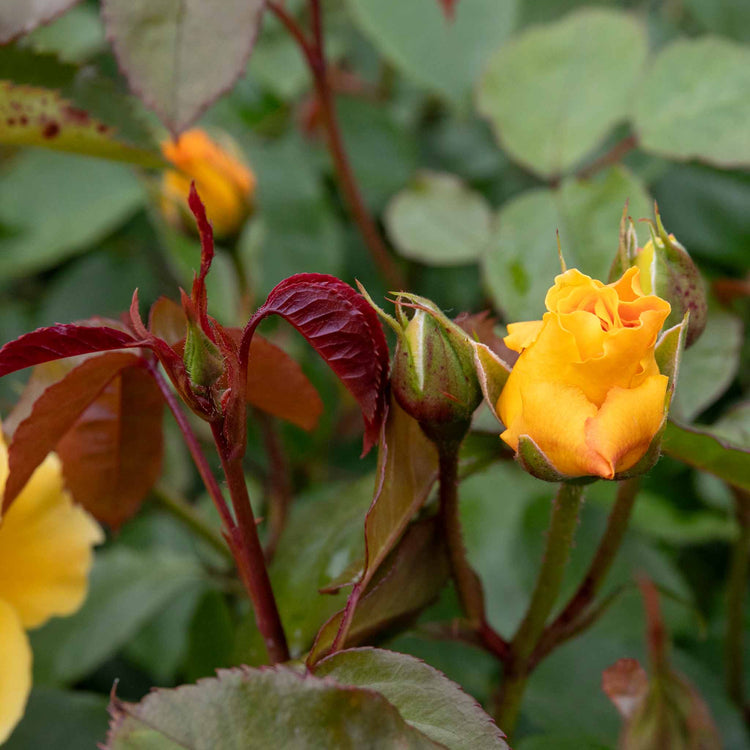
(586,388)
(225,184)
(45,558)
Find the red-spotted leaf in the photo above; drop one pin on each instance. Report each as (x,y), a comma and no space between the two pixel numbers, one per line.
(343,329)
(179,57)
(277,385)
(59,341)
(55,412)
(19,17)
(112,454)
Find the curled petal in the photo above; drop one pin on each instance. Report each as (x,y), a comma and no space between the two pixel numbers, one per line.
(522,335)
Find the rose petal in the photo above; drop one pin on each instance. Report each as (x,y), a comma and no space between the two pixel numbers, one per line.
(555,417)
(522,335)
(15,672)
(627,422)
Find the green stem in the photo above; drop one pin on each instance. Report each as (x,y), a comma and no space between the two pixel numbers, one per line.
(563,523)
(736,589)
(567,622)
(180,509)
(468,585)
(248,553)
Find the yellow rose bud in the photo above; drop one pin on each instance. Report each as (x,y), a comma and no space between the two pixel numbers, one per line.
(225,184)
(586,388)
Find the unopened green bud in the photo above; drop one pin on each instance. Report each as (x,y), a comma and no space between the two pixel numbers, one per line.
(202,358)
(669,272)
(434,375)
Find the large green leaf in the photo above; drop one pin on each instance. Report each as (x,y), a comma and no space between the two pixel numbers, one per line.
(522,260)
(259,709)
(555,91)
(409,580)
(695,102)
(439,221)
(425,698)
(180,55)
(709,366)
(322,539)
(701,448)
(53,206)
(22,16)
(446,57)
(127,588)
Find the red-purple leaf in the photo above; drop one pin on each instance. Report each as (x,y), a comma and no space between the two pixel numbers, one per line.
(55,412)
(343,329)
(112,455)
(59,341)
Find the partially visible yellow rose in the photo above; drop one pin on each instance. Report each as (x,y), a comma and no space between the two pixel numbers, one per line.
(586,388)
(224,182)
(45,558)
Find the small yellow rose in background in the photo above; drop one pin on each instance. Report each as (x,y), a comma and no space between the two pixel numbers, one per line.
(45,557)
(586,387)
(224,182)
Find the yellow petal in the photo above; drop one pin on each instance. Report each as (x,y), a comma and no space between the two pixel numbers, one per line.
(45,547)
(627,422)
(15,670)
(554,416)
(522,335)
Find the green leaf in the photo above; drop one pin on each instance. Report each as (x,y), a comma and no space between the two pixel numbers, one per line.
(19,17)
(383,153)
(63,719)
(127,589)
(701,448)
(179,57)
(445,57)
(408,580)
(554,92)
(322,540)
(726,17)
(211,637)
(695,101)
(709,366)
(439,221)
(54,206)
(522,262)
(424,697)
(259,709)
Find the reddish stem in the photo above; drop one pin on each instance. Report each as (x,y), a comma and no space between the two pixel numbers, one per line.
(248,553)
(314,53)
(199,458)
(613,156)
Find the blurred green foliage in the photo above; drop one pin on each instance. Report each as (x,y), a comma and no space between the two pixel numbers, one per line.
(474,143)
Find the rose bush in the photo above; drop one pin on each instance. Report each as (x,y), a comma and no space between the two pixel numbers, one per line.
(586,388)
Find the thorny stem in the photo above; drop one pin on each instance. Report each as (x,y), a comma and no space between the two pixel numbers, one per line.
(279,488)
(245,544)
(199,458)
(560,535)
(567,622)
(738,573)
(314,53)
(187,514)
